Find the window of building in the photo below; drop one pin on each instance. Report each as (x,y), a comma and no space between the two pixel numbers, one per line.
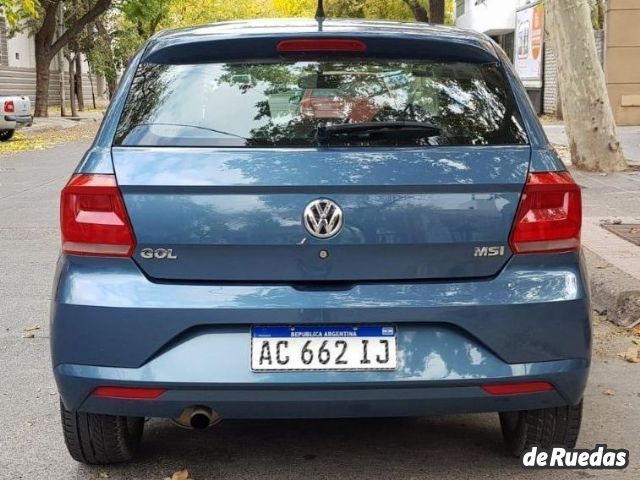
(460,4)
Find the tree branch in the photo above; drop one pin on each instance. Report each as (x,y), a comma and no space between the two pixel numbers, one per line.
(98,9)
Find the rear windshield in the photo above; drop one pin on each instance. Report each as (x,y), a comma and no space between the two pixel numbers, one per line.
(340,103)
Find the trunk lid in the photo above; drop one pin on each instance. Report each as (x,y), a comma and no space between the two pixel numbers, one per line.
(237,214)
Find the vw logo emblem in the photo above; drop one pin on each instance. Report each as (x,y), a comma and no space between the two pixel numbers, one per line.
(323,218)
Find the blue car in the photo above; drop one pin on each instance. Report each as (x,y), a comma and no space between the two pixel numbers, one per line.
(278,220)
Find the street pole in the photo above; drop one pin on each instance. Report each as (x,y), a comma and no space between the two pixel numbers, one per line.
(63,112)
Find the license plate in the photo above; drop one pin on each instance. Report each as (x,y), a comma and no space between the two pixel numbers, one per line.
(323,348)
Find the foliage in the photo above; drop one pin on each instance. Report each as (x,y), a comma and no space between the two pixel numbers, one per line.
(193,12)
(145,15)
(17,10)
(25,141)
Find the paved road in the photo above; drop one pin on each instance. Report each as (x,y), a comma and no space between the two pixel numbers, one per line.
(31,445)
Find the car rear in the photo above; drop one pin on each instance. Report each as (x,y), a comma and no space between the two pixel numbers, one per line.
(15,112)
(259,233)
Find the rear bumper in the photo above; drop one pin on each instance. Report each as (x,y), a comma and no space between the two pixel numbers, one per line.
(321,400)
(113,326)
(19,120)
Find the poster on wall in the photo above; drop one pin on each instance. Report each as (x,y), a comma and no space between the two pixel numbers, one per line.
(529,38)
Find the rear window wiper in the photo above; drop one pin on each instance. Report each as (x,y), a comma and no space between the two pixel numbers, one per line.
(324,132)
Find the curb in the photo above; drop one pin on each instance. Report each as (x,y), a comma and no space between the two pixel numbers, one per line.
(614,293)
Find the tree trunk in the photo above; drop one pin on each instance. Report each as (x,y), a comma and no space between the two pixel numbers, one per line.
(72,86)
(47,48)
(42,84)
(419,12)
(588,117)
(436,11)
(44,55)
(112,84)
(79,82)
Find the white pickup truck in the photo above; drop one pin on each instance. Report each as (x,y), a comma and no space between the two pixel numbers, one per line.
(15,112)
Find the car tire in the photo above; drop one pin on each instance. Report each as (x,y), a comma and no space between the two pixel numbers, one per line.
(547,427)
(5,135)
(101,439)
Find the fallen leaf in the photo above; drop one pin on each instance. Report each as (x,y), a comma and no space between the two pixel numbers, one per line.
(632,355)
(29,335)
(609,392)
(32,328)
(27,141)
(180,475)
(29,424)
(103,475)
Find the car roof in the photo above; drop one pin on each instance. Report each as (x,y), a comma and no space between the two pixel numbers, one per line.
(391,31)
(281,26)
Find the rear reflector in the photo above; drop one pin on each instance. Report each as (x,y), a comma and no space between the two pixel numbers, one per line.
(9,107)
(93,218)
(549,216)
(128,392)
(516,388)
(302,45)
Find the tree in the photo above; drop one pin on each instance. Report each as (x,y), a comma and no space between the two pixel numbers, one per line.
(145,15)
(588,117)
(193,12)
(47,44)
(78,86)
(419,11)
(436,11)
(71,59)
(16,10)
(97,45)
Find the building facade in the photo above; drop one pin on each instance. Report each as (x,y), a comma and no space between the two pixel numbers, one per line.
(496,18)
(508,22)
(622,59)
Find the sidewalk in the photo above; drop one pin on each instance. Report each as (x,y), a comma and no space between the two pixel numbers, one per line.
(629,138)
(55,122)
(615,282)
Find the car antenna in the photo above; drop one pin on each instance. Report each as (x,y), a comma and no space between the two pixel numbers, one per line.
(320,16)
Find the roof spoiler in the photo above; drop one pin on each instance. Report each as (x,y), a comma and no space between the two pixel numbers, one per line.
(264,47)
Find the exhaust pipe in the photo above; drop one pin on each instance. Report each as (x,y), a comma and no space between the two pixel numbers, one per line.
(197,418)
(200,418)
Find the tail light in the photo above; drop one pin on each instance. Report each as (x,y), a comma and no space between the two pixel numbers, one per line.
(131,393)
(517,388)
(549,216)
(312,45)
(9,107)
(93,218)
